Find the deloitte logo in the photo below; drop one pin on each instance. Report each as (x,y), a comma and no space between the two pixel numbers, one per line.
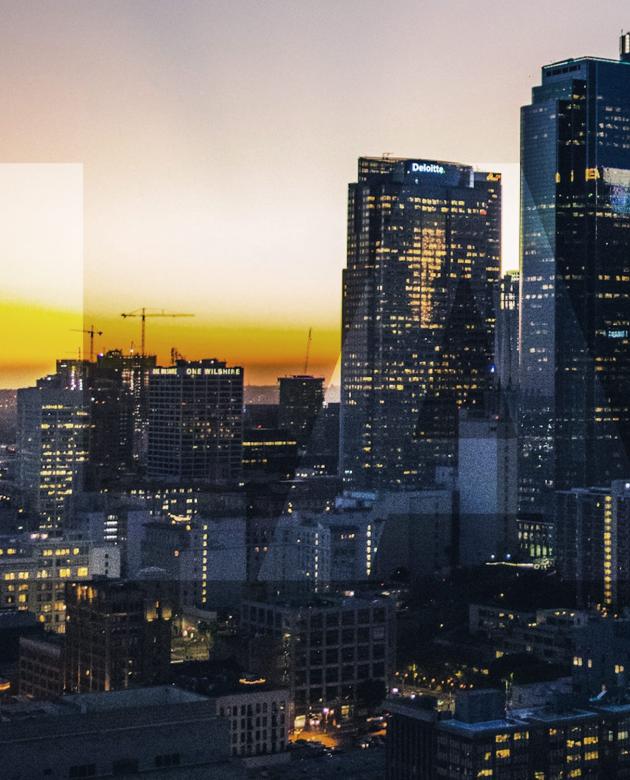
(427,168)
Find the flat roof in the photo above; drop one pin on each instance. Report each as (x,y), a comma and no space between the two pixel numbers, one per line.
(155,696)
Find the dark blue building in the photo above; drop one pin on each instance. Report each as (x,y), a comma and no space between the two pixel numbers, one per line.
(575,277)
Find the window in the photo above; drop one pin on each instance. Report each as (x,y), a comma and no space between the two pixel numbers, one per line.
(82,770)
(168,759)
(125,766)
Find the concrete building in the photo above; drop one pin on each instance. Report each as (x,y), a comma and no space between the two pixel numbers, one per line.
(42,672)
(488,488)
(547,634)
(204,559)
(34,570)
(162,731)
(592,537)
(602,656)
(418,318)
(481,740)
(300,402)
(118,634)
(195,423)
(52,445)
(259,719)
(321,648)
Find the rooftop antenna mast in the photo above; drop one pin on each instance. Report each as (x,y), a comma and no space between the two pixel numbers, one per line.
(308,350)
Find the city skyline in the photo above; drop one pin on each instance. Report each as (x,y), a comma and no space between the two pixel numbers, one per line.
(175,218)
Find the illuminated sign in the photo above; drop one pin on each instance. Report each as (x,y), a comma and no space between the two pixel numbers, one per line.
(196,371)
(427,168)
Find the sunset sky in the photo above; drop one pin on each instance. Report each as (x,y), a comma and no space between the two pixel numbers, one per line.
(194,156)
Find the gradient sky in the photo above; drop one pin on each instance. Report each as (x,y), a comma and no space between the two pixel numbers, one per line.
(216,141)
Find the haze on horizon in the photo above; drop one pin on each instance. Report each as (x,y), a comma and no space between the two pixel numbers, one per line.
(213,142)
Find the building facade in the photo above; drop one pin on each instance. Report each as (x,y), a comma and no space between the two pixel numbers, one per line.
(575,276)
(196,422)
(322,648)
(118,634)
(592,542)
(52,443)
(301,401)
(34,571)
(418,320)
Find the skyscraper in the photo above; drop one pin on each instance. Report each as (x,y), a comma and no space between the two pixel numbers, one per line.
(419,290)
(52,443)
(196,422)
(575,276)
(301,400)
(506,338)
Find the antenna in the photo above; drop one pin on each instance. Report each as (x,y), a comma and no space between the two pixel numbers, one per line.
(308,350)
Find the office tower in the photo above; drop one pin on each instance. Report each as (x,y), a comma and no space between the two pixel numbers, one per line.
(111,444)
(268,454)
(52,443)
(601,660)
(301,400)
(118,634)
(575,275)
(418,324)
(592,542)
(196,422)
(321,456)
(506,336)
(488,488)
(130,373)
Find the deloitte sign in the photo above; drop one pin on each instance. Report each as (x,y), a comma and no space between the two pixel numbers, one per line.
(417,167)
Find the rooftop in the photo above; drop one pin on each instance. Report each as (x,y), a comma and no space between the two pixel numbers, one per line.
(156,696)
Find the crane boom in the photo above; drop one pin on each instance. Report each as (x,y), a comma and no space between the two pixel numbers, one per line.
(143,313)
(92,332)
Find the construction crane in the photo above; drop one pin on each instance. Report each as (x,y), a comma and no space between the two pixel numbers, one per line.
(143,314)
(308,350)
(91,332)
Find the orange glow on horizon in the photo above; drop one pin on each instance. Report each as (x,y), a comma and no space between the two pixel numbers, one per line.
(42,335)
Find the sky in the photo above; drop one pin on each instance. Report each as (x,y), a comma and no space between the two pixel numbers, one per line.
(194,156)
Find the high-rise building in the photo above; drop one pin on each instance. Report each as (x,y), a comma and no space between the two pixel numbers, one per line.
(196,422)
(488,488)
(419,291)
(592,541)
(506,337)
(575,276)
(130,376)
(268,453)
(301,400)
(52,443)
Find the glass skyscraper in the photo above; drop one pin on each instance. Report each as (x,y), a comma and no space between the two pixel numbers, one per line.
(575,278)
(419,292)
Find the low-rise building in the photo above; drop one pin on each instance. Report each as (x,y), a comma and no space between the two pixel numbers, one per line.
(322,648)
(162,731)
(41,672)
(565,738)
